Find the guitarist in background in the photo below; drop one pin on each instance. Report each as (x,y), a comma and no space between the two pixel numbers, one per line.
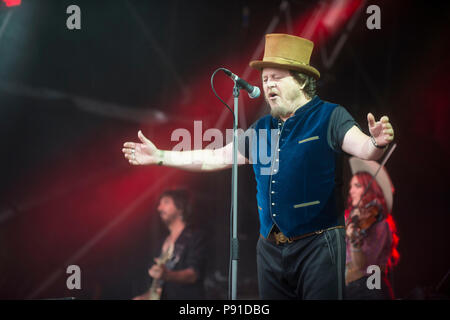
(178,273)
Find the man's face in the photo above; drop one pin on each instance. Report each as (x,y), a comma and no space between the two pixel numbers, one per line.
(281,91)
(167,210)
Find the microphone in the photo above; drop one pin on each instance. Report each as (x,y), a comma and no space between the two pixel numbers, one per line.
(253,91)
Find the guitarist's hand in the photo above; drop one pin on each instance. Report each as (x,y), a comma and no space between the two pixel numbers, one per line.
(146,296)
(158,271)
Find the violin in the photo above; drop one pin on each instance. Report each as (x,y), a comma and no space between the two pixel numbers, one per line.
(370,214)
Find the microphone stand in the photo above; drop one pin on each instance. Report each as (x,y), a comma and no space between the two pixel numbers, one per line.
(234,179)
(234,243)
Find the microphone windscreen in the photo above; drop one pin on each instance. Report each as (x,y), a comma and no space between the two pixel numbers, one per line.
(255,93)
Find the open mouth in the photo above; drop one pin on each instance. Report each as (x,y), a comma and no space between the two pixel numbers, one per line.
(272,95)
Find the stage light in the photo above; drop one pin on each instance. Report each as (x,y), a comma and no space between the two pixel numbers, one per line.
(12,3)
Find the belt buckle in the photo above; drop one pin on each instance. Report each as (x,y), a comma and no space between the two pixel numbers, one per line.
(281,238)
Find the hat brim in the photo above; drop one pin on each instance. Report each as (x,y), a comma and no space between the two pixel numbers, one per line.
(307,69)
(382,178)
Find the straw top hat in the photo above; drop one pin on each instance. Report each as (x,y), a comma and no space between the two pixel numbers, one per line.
(383,179)
(287,52)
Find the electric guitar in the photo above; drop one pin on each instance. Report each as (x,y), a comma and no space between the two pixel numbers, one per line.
(155,289)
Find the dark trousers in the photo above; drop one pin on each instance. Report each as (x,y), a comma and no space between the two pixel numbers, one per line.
(311,268)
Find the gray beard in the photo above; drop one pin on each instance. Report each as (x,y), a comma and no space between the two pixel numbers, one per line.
(279,112)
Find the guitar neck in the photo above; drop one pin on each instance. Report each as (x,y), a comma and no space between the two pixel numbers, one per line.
(153,292)
(157,284)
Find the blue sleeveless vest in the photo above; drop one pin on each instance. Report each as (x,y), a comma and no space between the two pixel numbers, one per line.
(295,171)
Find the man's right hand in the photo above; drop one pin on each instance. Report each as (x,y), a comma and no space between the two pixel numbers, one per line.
(141,153)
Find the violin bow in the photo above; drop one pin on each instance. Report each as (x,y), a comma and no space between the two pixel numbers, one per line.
(388,155)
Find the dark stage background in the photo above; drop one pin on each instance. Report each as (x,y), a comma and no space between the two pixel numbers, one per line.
(70,98)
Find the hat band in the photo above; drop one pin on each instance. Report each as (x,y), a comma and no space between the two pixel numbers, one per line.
(281,60)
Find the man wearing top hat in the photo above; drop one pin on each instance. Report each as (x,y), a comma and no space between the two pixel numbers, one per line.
(301,250)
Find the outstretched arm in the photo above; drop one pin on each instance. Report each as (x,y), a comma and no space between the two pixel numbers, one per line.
(362,146)
(146,153)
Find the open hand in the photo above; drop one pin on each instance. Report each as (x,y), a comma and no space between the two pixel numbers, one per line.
(141,153)
(381,130)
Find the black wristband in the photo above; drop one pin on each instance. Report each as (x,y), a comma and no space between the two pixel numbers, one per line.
(161,156)
(375,143)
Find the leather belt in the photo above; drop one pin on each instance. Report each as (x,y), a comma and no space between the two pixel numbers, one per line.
(280,238)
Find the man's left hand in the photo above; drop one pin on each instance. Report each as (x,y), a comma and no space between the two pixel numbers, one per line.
(382,130)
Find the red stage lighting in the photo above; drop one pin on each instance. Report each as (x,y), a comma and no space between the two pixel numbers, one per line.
(12,3)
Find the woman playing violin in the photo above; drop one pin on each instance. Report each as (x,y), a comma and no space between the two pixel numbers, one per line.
(370,231)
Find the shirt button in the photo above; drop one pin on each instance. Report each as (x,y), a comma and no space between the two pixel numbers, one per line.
(273,203)
(274,215)
(279,150)
(275,170)
(276,160)
(273,192)
(273,181)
